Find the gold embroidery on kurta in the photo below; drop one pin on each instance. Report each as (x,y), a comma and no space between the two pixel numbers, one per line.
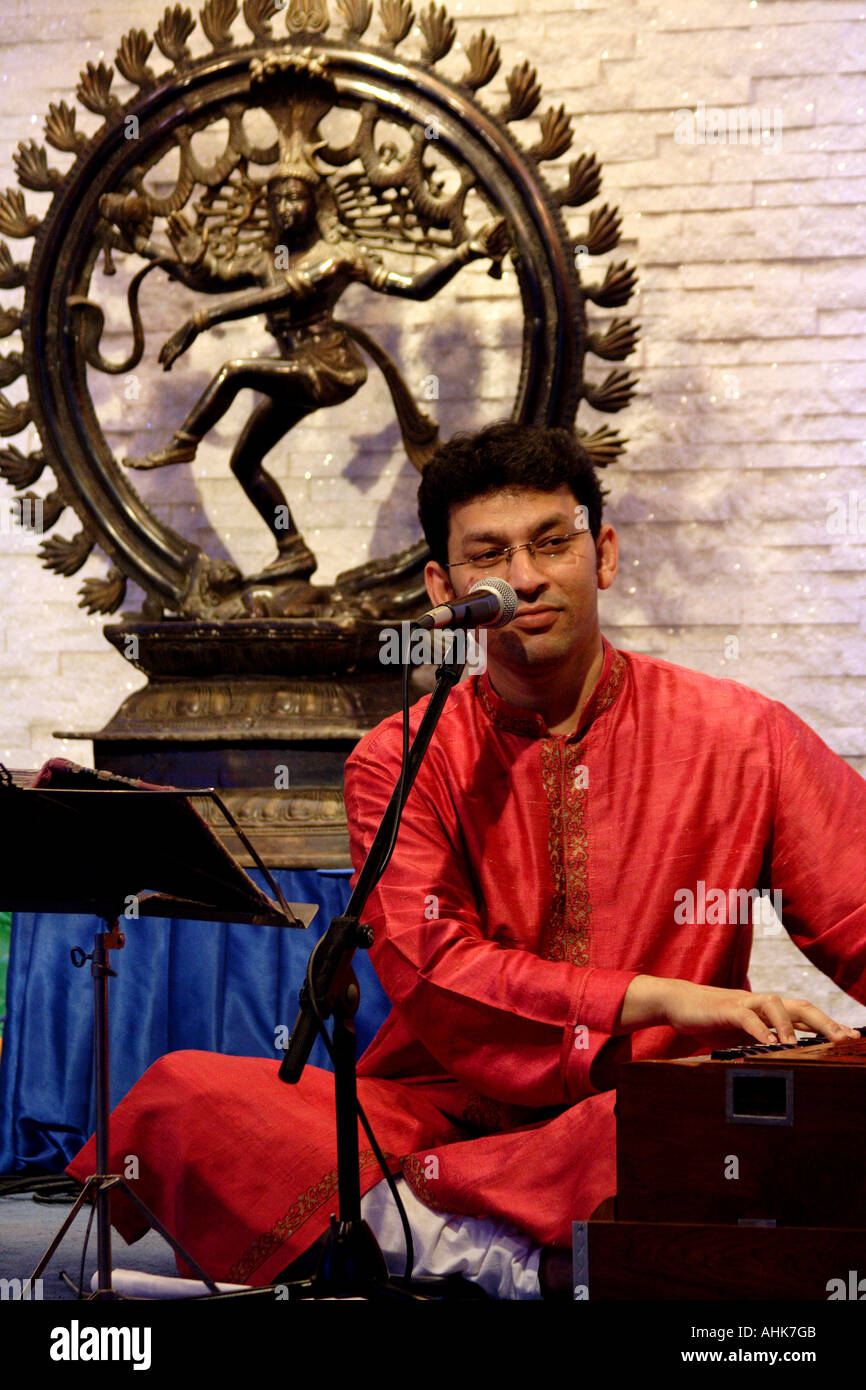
(567,935)
(299,1212)
(551,774)
(604,698)
(568,932)
(415,1173)
(508,718)
(573,942)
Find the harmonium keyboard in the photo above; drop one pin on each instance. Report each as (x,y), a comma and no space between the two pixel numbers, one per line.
(757,1135)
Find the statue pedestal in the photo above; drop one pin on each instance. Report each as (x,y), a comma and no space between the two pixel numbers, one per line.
(264,709)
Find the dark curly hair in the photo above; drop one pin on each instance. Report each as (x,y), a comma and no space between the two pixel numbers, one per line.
(503,455)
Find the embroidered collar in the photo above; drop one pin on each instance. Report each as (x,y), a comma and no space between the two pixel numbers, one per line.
(515,719)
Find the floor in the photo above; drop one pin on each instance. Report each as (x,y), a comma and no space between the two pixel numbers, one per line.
(27,1228)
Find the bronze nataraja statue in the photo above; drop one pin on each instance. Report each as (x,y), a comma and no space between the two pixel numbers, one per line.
(283,248)
(402,160)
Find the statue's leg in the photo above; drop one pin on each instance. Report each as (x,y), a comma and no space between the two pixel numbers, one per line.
(208,410)
(267,425)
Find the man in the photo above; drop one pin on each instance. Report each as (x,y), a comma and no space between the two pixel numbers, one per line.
(527,931)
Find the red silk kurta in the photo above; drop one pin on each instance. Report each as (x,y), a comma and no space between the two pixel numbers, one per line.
(534,876)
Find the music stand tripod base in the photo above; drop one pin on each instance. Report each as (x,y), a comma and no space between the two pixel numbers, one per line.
(102,1183)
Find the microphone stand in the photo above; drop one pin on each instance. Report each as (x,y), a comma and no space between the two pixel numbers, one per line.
(352,1262)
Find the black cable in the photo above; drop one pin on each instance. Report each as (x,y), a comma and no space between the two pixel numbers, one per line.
(311,993)
(392,1187)
(404,772)
(81,1294)
(53,1184)
(380,1158)
(63,1192)
(386,859)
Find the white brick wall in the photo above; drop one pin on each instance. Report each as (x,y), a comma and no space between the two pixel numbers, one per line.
(748,432)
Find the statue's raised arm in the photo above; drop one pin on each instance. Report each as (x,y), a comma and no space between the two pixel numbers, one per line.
(492,240)
(192,261)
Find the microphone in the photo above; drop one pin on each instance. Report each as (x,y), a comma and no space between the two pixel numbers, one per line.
(495,605)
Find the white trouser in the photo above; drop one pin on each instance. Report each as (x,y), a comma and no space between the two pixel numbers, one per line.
(502,1260)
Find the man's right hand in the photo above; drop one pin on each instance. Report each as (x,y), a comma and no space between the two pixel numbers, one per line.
(651,1001)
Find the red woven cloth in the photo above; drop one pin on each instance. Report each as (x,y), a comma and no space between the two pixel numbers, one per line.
(534,876)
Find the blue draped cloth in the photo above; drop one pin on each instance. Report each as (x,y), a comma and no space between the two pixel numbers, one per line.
(180,984)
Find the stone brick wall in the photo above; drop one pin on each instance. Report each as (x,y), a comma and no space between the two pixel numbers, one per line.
(741,504)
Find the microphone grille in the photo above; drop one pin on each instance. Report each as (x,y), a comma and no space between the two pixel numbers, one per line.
(510,601)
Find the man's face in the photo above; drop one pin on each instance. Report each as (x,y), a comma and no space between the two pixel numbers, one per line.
(558,611)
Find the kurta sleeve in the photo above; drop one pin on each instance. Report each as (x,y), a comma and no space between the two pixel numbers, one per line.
(509,1024)
(819,852)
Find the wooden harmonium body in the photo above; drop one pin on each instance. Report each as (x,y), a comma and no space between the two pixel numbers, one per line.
(758,1135)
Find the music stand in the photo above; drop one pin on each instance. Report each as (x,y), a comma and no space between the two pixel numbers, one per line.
(147,835)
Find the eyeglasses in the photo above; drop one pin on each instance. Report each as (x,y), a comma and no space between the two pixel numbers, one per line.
(544,551)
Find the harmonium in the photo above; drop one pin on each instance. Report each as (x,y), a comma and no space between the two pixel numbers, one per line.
(740,1174)
(769,1133)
